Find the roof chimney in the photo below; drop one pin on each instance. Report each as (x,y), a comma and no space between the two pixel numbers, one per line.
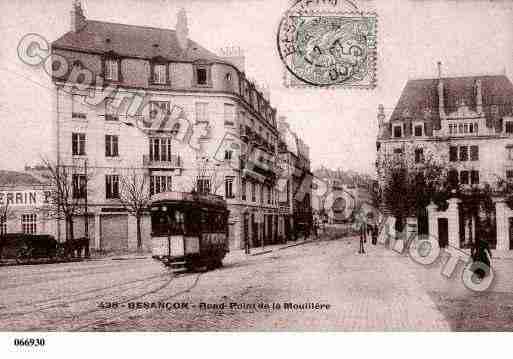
(381,114)
(182,31)
(479,96)
(234,55)
(78,19)
(381,120)
(441,108)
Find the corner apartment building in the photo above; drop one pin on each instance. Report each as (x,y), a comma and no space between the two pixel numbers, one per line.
(467,122)
(179,114)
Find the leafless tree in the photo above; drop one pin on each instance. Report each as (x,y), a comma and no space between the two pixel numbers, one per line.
(207,170)
(5,214)
(67,198)
(135,195)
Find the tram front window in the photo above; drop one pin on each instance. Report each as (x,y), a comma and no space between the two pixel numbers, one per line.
(192,222)
(167,221)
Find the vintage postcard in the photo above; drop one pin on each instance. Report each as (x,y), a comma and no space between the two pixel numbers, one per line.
(255,166)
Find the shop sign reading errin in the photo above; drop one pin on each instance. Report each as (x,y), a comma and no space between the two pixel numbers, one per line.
(34,198)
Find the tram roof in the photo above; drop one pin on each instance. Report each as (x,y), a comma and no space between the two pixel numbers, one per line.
(188,197)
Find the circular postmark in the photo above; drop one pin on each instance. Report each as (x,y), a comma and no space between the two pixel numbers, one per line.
(324,49)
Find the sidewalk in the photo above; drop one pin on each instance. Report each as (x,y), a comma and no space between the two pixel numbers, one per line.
(234,253)
(238,254)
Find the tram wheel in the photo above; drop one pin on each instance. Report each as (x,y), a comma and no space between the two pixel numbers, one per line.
(211,264)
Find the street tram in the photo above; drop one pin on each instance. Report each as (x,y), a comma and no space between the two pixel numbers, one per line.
(189,230)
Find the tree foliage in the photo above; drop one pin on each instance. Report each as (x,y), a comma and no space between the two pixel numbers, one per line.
(409,182)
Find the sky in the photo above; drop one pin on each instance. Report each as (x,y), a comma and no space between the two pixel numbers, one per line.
(470,37)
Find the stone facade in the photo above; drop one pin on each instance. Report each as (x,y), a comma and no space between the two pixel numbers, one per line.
(295,195)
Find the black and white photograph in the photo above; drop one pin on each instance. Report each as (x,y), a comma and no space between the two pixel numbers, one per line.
(251,167)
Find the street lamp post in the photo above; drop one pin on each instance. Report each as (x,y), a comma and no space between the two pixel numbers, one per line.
(86,218)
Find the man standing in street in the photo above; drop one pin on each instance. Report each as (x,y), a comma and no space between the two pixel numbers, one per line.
(363,237)
(374,234)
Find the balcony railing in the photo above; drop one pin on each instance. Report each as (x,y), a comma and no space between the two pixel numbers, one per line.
(111,117)
(80,115)
(174,162)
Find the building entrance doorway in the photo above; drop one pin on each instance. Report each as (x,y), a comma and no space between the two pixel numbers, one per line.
(443,232)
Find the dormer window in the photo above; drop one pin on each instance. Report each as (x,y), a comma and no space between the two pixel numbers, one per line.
(202,75)
(418,130)
(397,131)
(159,74)
(112,69)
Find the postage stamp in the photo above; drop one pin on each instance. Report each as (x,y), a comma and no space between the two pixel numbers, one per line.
(322,48)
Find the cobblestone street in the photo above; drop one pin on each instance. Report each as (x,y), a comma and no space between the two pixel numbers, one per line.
(376,291)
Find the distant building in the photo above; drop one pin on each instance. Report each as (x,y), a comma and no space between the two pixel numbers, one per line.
(338,193)
(24,201)
(296,195)
(468,121)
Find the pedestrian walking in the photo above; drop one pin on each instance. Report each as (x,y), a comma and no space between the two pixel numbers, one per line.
(246,244)
(481,254)
(316,228)
(374,234)
(363,238)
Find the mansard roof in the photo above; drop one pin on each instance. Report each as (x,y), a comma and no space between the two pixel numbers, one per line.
(132,41)
(21,179)
(422,94)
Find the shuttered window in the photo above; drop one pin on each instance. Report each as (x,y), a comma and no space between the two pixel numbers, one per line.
(474,153)
(243,189)
(464,177)
(509,126)
(419,155)
(79,186)
(474,177)
(112,186)
(463,153)
(29,223)
(112,69)
(203,185)
(228,190)
(159,73)
(201,112)
(453,153)
(78,141)
(111,146)
(159,184)
(398,131)
(453,178)
(229,114)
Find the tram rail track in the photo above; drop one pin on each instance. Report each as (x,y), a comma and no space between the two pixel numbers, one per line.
(55,302)
(80,273)
(105,320)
